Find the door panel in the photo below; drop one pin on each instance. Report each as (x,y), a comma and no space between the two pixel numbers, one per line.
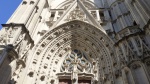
(84,82)
(67,81)
(64,81)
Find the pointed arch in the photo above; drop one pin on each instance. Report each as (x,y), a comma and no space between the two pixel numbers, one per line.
(56,44)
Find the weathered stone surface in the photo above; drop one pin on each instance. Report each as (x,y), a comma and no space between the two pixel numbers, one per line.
(77,41)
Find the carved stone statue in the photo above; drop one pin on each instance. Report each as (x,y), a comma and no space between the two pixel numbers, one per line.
(75,71)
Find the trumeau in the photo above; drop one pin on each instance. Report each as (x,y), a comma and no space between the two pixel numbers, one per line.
(76,42)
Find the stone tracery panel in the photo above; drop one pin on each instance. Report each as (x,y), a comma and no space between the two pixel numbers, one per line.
(82,61)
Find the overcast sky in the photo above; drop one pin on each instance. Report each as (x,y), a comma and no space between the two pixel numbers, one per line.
(7,7)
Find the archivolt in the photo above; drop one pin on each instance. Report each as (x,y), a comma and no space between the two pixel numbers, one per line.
(57,43)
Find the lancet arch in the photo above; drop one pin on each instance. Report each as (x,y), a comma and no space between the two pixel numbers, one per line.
(53,49)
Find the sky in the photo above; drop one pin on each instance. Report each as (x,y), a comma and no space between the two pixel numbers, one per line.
(7,7)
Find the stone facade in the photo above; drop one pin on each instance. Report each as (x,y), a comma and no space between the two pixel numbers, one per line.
(77,42)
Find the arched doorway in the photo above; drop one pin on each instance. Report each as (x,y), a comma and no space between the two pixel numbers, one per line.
(62,45)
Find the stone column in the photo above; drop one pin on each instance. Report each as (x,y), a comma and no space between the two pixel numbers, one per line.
(7,65)
(5,52)
(36,16)
(24,11)
(127,76)
(139,74)
(97,14)
(3,55)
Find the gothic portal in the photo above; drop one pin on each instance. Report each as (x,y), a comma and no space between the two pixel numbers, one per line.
(76,42)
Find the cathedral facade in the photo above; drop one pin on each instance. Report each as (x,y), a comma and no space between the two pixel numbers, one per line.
(76,42)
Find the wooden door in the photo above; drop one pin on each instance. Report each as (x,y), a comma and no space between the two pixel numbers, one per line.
(84,82)
(67,81)
(64,81)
